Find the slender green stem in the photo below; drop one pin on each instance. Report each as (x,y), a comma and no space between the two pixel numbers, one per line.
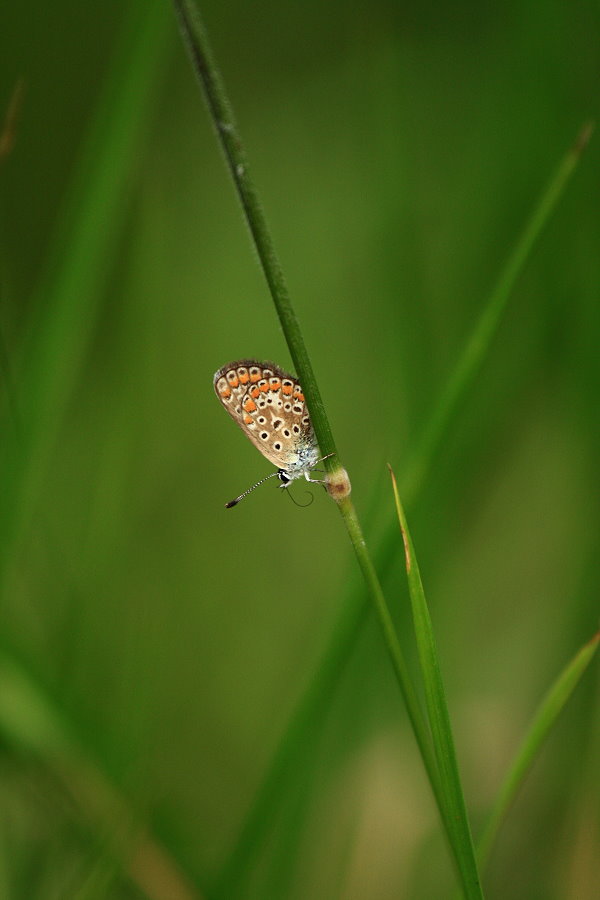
(391,641)
(220,110)
(196,39)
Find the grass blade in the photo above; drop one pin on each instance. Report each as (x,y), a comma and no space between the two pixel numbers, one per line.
(455,816)
(338,484)
(313,706)
(545,717)
(219,106)
(87,236)
(34,728)
(480,339)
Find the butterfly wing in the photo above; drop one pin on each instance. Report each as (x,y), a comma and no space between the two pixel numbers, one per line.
(268,405)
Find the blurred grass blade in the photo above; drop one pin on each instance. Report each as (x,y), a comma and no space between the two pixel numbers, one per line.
(86,238)
(547,714)
(313,705)
(292,748)
(455,819)
(34,728)
(479,341)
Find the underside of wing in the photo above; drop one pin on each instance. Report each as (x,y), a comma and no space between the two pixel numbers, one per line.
(269,407)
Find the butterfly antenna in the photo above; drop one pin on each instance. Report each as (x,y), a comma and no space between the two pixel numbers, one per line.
(250,489)
(302,505)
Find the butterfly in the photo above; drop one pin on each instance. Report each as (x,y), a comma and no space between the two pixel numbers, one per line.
(269,406)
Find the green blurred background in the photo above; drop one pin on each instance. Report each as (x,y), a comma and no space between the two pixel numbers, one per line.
(156,643)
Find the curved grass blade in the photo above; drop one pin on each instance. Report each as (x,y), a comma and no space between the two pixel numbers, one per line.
(480,339)
(545,717)
(456,820)
(313,705)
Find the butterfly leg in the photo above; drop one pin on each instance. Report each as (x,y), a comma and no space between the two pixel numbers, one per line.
(314,480)
(318,480)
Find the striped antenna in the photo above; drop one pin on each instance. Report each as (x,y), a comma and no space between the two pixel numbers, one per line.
(250,489)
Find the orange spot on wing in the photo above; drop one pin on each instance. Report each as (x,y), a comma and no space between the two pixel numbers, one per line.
(299,396)
(264,387)
(276,386)
(255,376)
(225,392)
(248,420)
(244,378)
(234,381)
(249,405)
(255,392)
(287,388)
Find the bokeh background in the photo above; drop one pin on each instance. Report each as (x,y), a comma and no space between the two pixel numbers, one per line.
(154,644)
